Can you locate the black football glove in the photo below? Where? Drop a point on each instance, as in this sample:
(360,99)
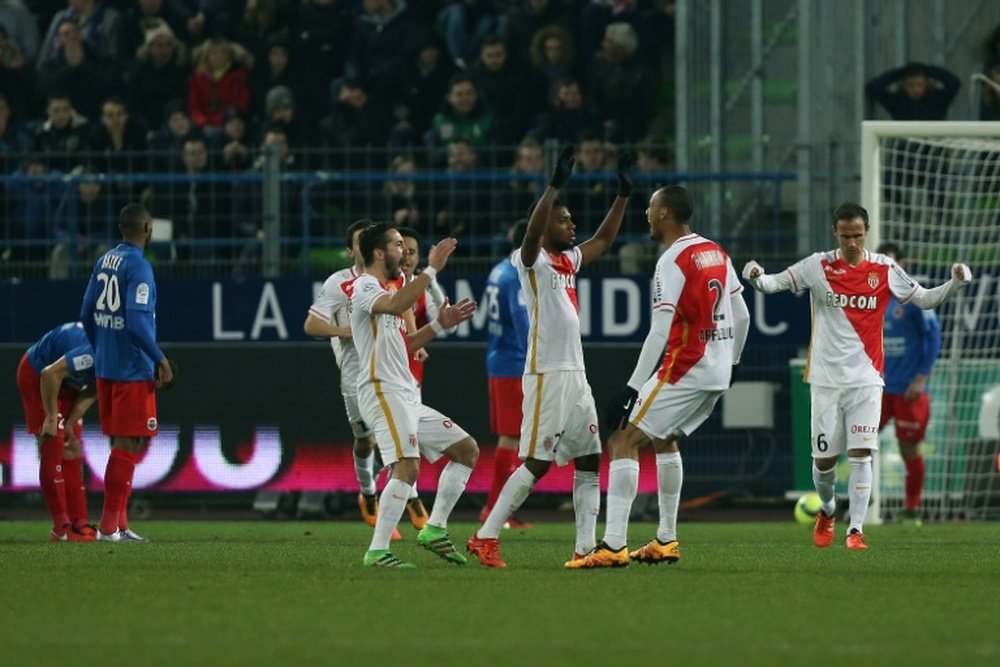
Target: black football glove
(563,168)
(624,174)
(618,410)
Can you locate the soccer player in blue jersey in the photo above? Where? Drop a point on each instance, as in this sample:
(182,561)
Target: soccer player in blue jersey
(56,381)
(912,342)
(507,345)
(119,316)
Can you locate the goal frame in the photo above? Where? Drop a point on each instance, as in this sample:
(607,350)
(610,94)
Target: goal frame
(871,198)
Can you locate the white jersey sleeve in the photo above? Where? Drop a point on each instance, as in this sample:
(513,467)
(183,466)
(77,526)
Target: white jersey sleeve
(380,339)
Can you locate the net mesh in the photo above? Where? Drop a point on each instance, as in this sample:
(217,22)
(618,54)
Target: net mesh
(939,200)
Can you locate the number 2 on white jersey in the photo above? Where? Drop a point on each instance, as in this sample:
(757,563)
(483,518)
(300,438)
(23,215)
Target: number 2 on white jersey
(715,286)
(109,292)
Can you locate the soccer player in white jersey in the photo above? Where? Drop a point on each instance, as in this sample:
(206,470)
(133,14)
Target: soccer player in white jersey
(849,289)
(559,419)
(389,398)
(697,331)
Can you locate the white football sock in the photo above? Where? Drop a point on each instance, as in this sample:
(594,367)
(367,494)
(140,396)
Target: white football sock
(586,507)
(390,509)
(669,479)
(859,490)
(623,485)
(364,468)
(451,484)
(514,492)
(825,482)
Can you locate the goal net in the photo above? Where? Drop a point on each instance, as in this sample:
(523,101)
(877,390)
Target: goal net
(933,188)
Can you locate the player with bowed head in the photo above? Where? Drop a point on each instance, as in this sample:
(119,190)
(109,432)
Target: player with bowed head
(559,420)
(119,316)
(697,330)
(56,381)
(849,289)
(389,397)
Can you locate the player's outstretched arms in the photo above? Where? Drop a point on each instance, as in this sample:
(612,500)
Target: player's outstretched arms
(403,300)
(961,276)
(532,243)
(605,235)
(754,274)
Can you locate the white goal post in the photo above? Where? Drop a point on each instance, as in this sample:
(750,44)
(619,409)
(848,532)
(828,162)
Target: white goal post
(933,188)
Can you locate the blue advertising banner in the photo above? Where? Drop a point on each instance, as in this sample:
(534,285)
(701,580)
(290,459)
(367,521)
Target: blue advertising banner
(613,309)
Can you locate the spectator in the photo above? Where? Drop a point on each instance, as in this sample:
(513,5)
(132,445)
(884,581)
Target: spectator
(502,83)
(14,141)
(418,88)
(322,35)
(219,82)
(158,76)
(595,18)
(118,145)
(35,206)
(464,115)
(260,19)
(589,198)
(275,69)
(143,16)
(356,121)
(16,79)
(280,108)
(526,18)
(232,145)
(62,138)
(383,36)
(400,194)
(915,91)
(989,99)
(618,86)
(465,202)
(168,140)
(465,23)
(77,69)
(637,255)
(18,22)
(553,55)
(514,200)
(87,230)
(569,115)
(98,23)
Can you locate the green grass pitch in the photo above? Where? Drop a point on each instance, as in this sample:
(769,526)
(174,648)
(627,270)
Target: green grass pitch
(260,593)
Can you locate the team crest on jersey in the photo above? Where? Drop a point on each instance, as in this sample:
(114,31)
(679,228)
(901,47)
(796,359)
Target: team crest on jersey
(873,279)
(83,362)
(142,293)
(151,424)
(548,443)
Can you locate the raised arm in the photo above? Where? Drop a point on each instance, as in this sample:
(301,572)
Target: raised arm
(961,276)
(605,235)
(532,243)
(403,300)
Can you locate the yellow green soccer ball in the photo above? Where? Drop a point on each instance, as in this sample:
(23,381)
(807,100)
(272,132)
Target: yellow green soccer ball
(807,507)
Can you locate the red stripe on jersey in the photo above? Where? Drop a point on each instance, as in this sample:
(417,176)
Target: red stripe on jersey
(347,287)
(420,310)
(703,288)
(562,264)
(863,294)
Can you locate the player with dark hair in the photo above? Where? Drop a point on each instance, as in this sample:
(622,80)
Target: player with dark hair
(698,327)
(912,342)
(390,400)
(56,381)
(119,316)
(559,417)
(506,347)
(849,289)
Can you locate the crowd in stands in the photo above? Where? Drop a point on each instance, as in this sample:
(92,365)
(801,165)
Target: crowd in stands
(202,86)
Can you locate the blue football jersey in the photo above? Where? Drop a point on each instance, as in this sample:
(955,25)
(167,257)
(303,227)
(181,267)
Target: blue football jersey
(66,340)
(118,313)
(507,318)
(912,341)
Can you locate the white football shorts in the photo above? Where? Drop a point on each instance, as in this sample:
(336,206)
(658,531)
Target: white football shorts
(406,428)
(559,421)
(844,418)
(662,410)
